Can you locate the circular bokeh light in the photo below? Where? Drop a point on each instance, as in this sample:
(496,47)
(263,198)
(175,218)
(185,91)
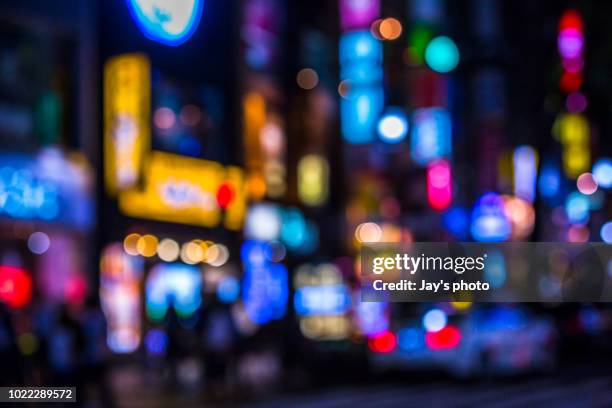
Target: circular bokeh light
(442,55)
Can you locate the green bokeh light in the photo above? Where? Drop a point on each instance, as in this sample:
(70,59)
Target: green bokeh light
(418,39)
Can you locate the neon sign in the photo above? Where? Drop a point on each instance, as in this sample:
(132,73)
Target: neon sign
(525,161)
(22,195)
(361,66)
(431,135)
(173,285)
(573,131)
(120,277)
(127,133)
(265,284)
(322,300)
(48,187)
(184,190)
(170,22)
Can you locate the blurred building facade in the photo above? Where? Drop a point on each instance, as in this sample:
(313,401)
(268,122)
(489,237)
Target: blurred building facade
(212,169)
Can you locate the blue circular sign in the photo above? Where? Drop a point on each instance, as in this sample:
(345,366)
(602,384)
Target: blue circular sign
(169,22)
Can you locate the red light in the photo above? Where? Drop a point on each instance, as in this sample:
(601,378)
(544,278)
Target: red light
(445,339)
(75,290)
(15,286)
(384,342)
(570,82)
(570,19)
(225,195)
(439,185)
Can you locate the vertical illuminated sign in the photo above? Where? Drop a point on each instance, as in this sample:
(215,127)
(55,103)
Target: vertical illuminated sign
(265,284)
(360,114)
(273,145)
(549,183)
(525,161)
(361,68)
(573,131)
(127,111)
(570,44)
(264,130)
(361,71)
(431,135)
(572,128)
(254,112)
(439,185)
(120,280)
(318,116)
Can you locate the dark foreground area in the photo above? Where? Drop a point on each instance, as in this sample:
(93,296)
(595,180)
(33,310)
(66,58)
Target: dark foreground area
(570,386)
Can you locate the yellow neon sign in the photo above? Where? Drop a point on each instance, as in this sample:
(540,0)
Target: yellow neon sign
(254,111)
(184,190)
(127,132)
(157,185)
(573,131)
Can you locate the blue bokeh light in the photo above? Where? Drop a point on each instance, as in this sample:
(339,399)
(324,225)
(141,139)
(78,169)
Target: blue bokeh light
(602,171)
(549,182)
(228,290)
(434,320)
(606,232)
(372,317)
(156,341)
(489,222)
(442,55)
(297,233)
(323,300)
(411,339)
(360,112)
(26,196)
(431,135)
(457,222)
(359,48)
(577,207)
